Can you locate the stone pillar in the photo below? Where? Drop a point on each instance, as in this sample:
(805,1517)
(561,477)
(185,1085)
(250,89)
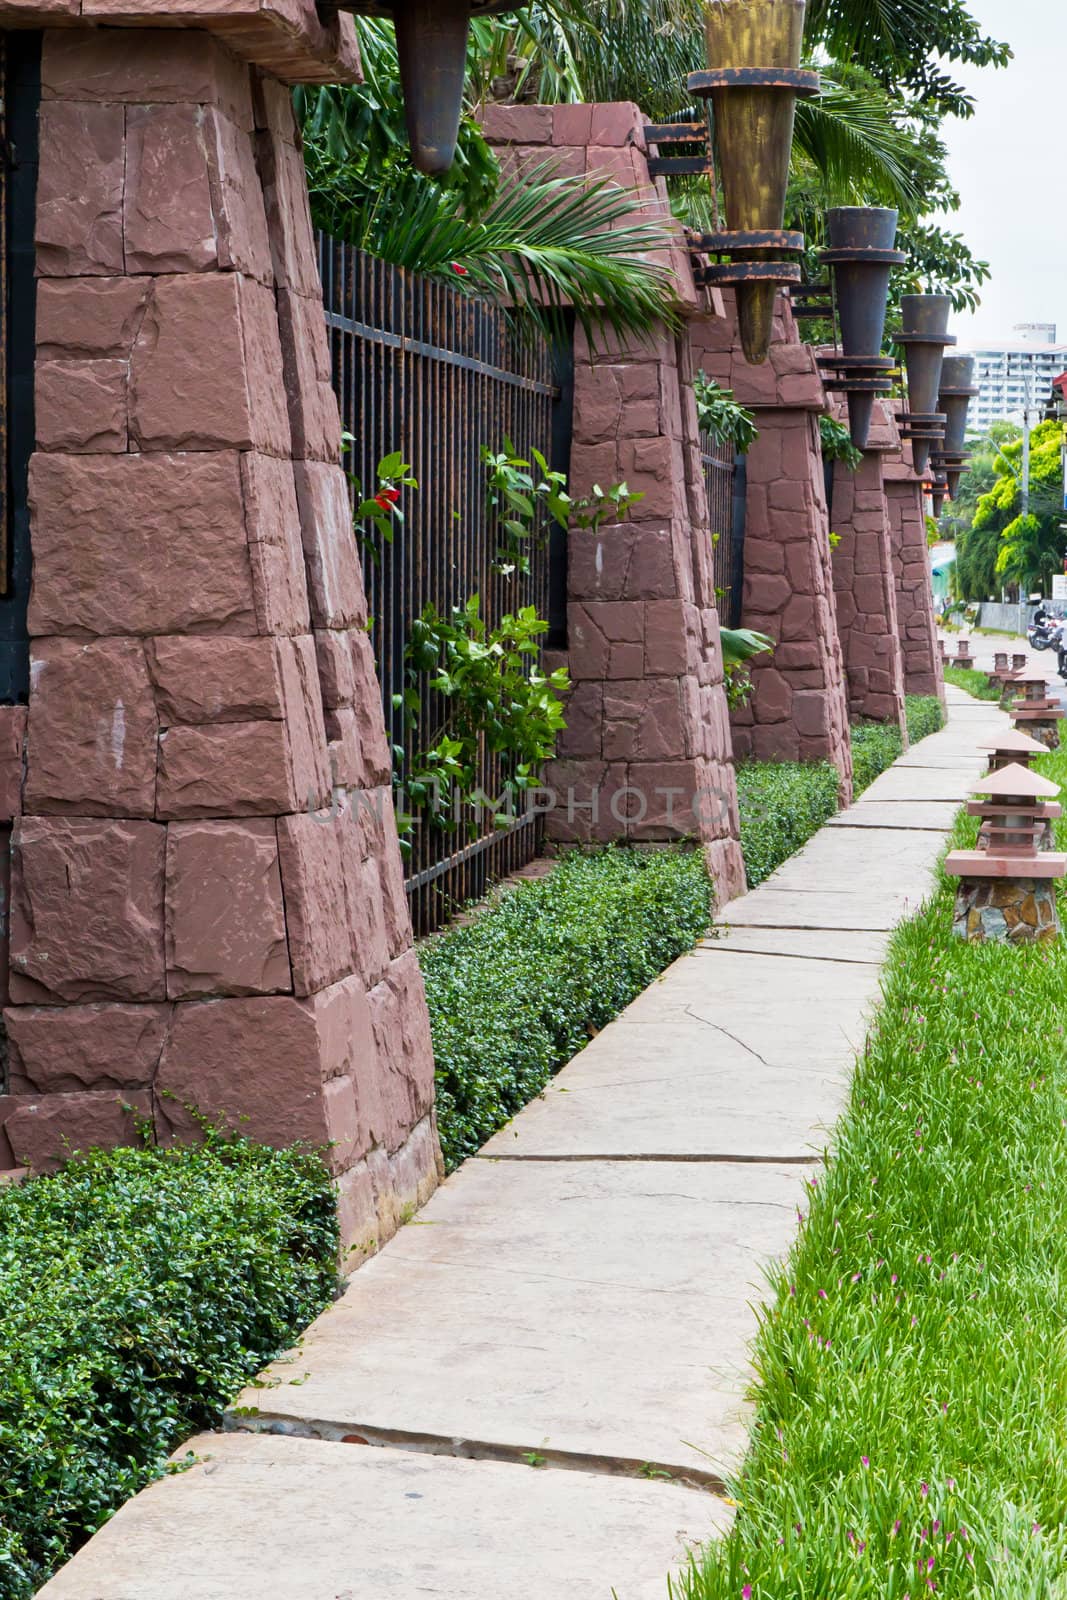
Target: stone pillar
(798,710)
(923,672)
(864,582)
(208,906)
(646,755)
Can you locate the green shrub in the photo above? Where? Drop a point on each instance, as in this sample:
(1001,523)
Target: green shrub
(875,746)
(782,803)
(925,715)
(517,992)
(139,1289)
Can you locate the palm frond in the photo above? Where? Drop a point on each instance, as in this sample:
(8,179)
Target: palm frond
(547,242)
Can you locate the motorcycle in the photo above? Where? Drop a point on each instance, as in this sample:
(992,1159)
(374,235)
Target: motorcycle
(1042,635)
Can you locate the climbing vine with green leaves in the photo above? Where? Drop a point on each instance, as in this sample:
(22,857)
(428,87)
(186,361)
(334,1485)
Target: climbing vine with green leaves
(497,702)
(837,443)
(721,416)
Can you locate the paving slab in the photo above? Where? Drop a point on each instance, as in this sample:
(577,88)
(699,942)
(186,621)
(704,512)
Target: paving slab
(683,1092)
(596,1309)
(922,783)
(789,1013)
(824,944)
(933,816)
(262,1518)
(885,861)
(782,908)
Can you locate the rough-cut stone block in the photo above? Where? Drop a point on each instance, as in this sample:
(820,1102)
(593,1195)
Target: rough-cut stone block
(334,577)
(79,190)
(320,939)
(148,67)
(260,1064)
(80,406)
(306,735)
(517,124)
(92,729)
(44,1132)
(370,719)
(225,769)
(643,721)
(139,544)
(292,241)
(342,1124)
(379,819)
(56,1049)
(225,922)
(88,318)
(204,372)
(313,413)
(279,579)
(364,900)
(401,1092)
(333,657)
(86,911)
(169,222)
(12,747)
(237,200)
(220,679)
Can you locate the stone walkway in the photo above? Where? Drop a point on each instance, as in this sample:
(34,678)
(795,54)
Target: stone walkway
(551,1358)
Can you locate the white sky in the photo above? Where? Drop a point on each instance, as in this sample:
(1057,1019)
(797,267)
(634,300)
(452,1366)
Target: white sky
(1008,163)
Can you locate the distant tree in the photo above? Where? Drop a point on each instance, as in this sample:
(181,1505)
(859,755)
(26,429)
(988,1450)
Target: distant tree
(1001,546)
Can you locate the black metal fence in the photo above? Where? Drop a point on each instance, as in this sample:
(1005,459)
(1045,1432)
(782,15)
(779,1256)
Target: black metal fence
(725,483)
(426,370)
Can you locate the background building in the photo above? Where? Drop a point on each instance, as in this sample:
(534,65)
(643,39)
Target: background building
(1013,375)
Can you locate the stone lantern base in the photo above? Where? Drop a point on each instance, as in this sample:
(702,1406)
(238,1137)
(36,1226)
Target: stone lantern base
(1048,731)
(1006,911)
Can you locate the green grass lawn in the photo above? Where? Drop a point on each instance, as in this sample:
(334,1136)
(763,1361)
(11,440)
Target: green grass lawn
(975,682)
(911,1431)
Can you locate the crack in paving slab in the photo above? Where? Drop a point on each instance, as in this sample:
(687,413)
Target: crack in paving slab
(813,1157)
(437,1444)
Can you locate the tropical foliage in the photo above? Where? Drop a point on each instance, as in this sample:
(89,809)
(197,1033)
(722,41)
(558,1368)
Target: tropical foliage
(721,417)
(870,138)
(996,546)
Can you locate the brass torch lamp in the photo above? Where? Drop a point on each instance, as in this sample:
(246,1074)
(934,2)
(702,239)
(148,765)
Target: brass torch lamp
(753,80)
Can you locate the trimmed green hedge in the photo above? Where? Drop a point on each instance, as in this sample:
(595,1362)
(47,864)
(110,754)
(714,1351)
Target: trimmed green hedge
(516,993)
(876,745)
(925,714)
(139,1289)
(782,803)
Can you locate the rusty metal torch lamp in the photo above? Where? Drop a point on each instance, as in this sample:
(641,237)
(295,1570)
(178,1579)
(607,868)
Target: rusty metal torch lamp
(860,256)
(753,99)
(954,401)
(1006,891)
(924,337)
(431,41)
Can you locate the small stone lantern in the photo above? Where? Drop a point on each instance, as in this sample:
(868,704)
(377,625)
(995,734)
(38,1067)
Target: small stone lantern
(1036,713)
(1018,663)
(1007,891)
(1005,750)
(963,654)
(1013,746)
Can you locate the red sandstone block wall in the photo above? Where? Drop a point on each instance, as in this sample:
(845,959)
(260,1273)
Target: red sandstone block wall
(864,581)
(647,754)
(923,672)
(798,710)
(207,894)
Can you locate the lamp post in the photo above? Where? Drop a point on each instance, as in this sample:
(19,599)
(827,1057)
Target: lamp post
(860,256)
(924,337)
(753,80)
(431,42)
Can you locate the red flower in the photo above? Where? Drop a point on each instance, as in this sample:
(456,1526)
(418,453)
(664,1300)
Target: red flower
(387,499)
(460,270)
